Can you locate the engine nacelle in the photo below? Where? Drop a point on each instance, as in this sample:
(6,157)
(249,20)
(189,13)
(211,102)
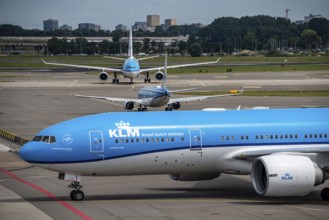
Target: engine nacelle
(194,176)
(129,105)
(159,75)
(176,105)
(103,76)
(285,175)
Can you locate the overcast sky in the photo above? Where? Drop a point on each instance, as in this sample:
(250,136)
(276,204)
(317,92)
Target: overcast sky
(108,13)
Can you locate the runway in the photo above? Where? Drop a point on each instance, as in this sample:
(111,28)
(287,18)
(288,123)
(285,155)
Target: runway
(33,100)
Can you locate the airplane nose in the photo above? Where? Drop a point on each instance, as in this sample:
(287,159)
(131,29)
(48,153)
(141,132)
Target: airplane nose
(28,152)
(24,152)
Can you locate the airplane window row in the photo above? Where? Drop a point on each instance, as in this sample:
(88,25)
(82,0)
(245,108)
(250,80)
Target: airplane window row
(47,139)
(146,140)
(281,136)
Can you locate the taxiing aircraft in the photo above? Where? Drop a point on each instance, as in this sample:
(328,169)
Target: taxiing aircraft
(131,68)
(156,96)
(286,151)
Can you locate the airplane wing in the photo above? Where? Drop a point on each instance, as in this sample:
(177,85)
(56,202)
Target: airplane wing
(251,154)
(178,66)
(200,98)
(112,99)
(85,67)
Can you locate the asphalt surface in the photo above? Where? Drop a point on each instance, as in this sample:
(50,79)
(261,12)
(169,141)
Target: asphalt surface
(31,101)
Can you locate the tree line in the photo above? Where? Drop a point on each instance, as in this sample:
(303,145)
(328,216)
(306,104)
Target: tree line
(223,35)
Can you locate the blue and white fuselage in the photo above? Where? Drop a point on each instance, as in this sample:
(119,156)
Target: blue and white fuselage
(131,68)
(192,145)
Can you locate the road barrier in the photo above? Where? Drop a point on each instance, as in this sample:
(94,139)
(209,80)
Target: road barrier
(12,137)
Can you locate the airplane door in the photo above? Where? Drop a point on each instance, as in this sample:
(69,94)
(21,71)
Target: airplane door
(195,139)
(96,141)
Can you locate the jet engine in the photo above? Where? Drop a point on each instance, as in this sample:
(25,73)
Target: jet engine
(194,176)
(159,75)
(285,175)
(176,105)
(103,76)
(129,105)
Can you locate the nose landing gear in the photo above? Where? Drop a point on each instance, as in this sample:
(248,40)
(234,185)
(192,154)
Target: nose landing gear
(76,194)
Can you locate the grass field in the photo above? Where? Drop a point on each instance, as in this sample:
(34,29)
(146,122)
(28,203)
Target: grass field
(290,93)
(34,61)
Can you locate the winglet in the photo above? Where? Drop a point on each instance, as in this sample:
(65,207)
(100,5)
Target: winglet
(218,60)
(44,61)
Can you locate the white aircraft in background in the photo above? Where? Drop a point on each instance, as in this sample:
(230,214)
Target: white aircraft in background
(131,68)
(157,96)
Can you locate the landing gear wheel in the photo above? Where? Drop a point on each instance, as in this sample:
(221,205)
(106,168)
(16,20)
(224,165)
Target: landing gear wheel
(147,78)
(77,195)
(325,194)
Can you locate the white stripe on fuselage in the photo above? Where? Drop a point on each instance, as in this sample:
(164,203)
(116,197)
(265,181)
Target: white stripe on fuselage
(207,160)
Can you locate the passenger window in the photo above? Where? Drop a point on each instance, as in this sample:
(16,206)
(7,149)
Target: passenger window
(116,141)
(182,138)
(325,135)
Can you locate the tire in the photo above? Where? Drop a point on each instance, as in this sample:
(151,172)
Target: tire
(77,195)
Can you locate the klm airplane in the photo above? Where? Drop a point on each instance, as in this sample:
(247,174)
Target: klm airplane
(286,151)
(157,96)
(131,68)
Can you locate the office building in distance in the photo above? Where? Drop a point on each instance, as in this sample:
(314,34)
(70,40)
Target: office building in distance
(50,25)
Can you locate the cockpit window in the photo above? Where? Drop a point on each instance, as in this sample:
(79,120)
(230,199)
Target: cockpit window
(46,139)
(37,138)
(52,139)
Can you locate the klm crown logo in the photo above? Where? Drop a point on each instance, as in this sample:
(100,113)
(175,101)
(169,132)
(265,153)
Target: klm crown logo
(123,130)
(287,176)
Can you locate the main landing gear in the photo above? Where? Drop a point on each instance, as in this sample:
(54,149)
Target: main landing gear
(142,108)
(147,78)
(115,79)
(76,194)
